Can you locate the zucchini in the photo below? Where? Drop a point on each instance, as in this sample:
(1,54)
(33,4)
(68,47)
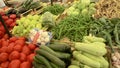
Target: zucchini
(51,57)
(101,60)
(86,60)
(91,49)
(57,54)
(60,47)
(73,66)
(44,61)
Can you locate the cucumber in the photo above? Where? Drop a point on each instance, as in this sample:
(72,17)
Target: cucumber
(51,57)
(57,54)
(37,65)
(60,47)
(44,61)
(36,60)
(54,65)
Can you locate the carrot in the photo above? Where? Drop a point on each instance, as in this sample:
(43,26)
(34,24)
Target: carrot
(30,57)
(18,48)
(32,46)
(14,64)
(26,50)
(10,47)
(3,57)
(23,57)
(5,64)
(14,55)
(26,65)
(20,42)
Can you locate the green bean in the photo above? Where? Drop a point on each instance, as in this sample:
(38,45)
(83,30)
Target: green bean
(116,34)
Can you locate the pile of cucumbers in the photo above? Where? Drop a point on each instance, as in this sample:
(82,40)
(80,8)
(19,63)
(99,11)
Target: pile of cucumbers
(55,55)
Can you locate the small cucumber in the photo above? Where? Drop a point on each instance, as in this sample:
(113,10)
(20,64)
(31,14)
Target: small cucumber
(60,47)
(37,65)
(44,61)
(57,54)
(51,57)
(54,65)
(36,60)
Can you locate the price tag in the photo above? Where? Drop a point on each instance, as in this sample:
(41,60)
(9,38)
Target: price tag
(2,4)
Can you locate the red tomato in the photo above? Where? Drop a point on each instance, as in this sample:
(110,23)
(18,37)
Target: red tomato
(9,22)
(30,57)
(12,16)
(14,55)
(2,29)
(5,43)
(26,50)
(18,48)
(12,25)
(3,49)
(1,34)
(23,57)
(6,36)
(14,64)
(32,46)
(10,47)
(26,65)
(20,42)
(3,57)
(22,38)
(5,64)
(2,13)
(5,17)
(13,39)
(0,43)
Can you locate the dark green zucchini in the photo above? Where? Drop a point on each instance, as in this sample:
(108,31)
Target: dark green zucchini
(37,65)
(60,47)
(51,57)
(43,60)
(57,54)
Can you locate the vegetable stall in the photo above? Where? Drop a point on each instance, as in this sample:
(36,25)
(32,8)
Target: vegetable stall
(69,34)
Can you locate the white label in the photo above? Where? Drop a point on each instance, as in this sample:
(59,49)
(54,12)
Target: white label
(2,4)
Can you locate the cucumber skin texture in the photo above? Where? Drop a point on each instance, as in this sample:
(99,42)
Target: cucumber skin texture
(36,60)
(60,47)
(51,57)
(37,65)
(101,60)
(73,66)
(44,61)
(53,65)
(85,60)
(59,55)
(91,49)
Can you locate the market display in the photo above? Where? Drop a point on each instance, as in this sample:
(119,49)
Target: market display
(75,34)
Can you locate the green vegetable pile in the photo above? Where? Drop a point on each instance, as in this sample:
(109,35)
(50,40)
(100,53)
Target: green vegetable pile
(76,24)
(108,29)
(55,9)
(55,55)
